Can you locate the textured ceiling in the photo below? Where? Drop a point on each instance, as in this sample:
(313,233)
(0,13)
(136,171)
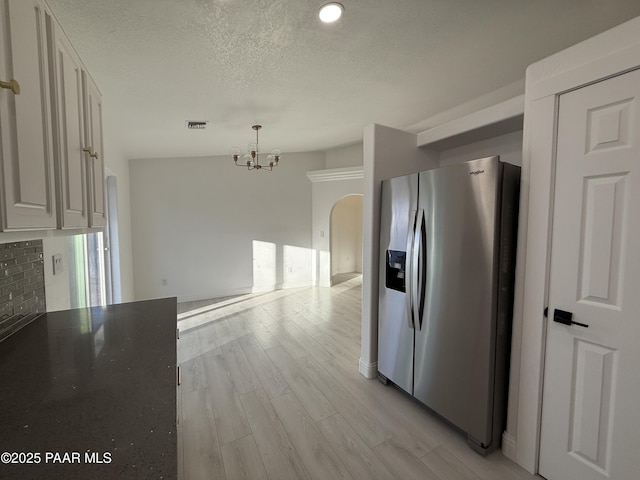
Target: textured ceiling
(159,63)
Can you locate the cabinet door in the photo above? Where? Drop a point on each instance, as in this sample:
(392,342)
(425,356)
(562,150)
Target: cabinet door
(26,164)
(93,135)
(68,122)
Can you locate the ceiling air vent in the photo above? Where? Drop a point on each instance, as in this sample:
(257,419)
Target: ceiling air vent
(196,125)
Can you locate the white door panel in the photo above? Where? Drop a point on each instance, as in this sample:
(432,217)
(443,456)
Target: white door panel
(71,160)
(590,425)
(26,163)
(93,132)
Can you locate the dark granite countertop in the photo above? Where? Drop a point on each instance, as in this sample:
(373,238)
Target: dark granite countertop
(91,394)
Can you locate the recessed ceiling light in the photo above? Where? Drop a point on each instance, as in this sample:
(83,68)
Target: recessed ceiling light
(331,12)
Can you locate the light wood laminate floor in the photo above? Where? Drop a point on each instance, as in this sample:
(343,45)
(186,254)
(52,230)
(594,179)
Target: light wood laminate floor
(271,390)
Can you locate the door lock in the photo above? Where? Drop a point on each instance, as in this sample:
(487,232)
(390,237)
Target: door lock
(565,318)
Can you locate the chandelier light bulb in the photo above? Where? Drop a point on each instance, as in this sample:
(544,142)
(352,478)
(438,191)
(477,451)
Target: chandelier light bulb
(251,159)
(330,12)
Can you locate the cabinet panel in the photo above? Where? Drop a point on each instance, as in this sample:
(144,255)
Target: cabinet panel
(28,200)
(93,141)
(68,139)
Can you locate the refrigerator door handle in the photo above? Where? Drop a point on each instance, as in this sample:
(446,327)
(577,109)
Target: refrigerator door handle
(422,269)
(409,269)
(416,271)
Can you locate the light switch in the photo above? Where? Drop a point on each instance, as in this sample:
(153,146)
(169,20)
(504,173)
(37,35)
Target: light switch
(57,263)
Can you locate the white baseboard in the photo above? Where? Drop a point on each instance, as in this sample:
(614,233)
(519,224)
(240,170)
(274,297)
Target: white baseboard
(368,370)
(232,292)
(509,446)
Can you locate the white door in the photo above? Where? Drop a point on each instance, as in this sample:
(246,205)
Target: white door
(68,107)
(26,151)
(93,132)
(591,399)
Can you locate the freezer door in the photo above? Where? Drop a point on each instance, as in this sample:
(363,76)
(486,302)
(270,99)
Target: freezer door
(395,335)
(454,350)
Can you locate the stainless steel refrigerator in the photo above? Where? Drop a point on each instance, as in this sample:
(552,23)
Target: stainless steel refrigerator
(447,261)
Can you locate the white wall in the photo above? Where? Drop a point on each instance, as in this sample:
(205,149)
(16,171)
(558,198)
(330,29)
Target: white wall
(346,235)
(57,287)
(347,156)
(195,221)
(508,146)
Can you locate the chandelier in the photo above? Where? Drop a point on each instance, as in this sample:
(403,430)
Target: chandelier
(252,158)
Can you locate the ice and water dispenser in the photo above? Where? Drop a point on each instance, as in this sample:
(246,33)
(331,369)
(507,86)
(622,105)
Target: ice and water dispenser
(395,271)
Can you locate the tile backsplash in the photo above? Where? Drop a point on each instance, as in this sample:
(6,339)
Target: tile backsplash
(22,297)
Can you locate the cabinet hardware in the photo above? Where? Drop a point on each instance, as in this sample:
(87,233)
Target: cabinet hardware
(12,85)
(91,154)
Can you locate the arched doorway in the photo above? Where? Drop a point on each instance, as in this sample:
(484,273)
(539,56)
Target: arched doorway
(346,238)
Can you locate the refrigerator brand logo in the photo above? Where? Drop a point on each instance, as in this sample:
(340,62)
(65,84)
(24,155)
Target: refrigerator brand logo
(476,172)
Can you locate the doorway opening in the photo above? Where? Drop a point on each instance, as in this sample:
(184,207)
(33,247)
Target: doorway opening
(88,285)
(346,239)
(94,260)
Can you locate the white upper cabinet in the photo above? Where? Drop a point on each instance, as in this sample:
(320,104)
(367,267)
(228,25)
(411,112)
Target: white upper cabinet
(51,154)
(77,132)
(93,142)
(27,198)
(69,136)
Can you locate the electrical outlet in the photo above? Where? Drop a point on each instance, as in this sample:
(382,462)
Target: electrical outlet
(57,263)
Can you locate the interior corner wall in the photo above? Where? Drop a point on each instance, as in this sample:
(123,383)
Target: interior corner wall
(201,225)
(387,153)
